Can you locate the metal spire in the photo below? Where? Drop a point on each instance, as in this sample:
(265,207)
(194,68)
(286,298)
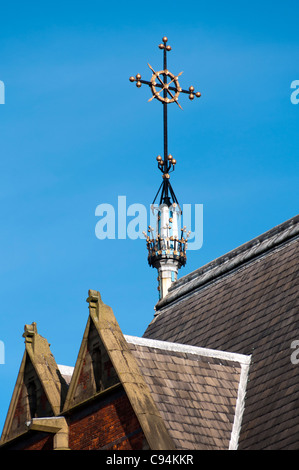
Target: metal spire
(167,164)
(166,250)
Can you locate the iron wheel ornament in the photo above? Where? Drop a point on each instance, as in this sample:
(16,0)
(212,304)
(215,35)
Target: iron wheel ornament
(165,86)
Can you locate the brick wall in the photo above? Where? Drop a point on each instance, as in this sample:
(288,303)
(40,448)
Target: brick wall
(46,443)
(105,423)
(109,424)
(31,441)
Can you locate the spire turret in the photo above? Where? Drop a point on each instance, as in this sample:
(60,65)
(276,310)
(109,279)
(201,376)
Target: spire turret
(167,248)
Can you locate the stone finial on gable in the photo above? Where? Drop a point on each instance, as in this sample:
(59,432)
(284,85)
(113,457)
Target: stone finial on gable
(30,331)
(94,298)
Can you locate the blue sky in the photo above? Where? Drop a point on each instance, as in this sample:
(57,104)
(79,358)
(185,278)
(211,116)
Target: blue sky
(75,133)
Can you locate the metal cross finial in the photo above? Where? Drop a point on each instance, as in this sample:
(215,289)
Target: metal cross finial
(167,97)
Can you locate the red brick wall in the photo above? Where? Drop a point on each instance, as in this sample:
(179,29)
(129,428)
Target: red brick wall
(43,444)
(105,423)
(32,441)
(111,425)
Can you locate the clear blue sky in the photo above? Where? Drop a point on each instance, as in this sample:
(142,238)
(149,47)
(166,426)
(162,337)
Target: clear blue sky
(75,133)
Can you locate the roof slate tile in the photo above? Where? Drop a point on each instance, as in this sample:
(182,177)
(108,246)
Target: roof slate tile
(195,393)
(246,302)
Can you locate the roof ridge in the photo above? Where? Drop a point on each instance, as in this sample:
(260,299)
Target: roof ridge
(248,251)
(185,348)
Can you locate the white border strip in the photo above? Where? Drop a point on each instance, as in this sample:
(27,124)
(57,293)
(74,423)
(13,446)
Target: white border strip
(239,410)
(184,348)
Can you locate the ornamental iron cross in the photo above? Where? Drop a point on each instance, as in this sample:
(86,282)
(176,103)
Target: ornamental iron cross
(167,97)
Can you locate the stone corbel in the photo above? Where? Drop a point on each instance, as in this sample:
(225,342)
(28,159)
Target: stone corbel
(57,426)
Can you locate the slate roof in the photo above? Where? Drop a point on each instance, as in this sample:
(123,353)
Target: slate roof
(198,392)
(66,372)
(247,302)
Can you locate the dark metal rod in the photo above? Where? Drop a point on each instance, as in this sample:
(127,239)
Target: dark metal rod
(164,193)
(158,85)
(172,194)
(165,112)
(165,137)
(157,192)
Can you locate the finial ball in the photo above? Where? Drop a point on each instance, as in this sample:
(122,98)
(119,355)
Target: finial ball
(191,88)
(164,39)
(159,158)
(198,94)
(168,48)
(138,76)
(173,161)
(138,84)
(132,79)
(191,96)
(161,46)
